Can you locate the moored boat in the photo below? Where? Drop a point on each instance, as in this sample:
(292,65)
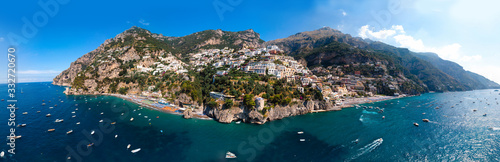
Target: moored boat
(230,155)
(51,130)
(136,150)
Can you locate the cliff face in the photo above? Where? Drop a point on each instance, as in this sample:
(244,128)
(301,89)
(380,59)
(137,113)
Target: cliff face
(117,56)
(276,113)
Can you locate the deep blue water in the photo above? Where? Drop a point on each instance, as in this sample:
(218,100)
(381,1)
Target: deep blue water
(455,133)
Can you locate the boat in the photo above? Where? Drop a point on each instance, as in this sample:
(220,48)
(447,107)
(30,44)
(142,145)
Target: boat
(128,146)
(59,120)
(76,109)
(300,132)
(48,115)
(116,136)
(14,137)
(415,124)
(73,112)
(139,114)
(113,123)
(21,125)
(102,113)
(100,121)
(55,105)
(70,131)
(380,140)
(90,144)
(230,155)
(238,122)
(77,123)
(425,120)
(136,150)
(2,154)
(51,130)
(383,117)
(43,104)
(37,111)
(474,110)
(484,114)
(25,113)
(92,133)
(73,116)
(122,114)
(131,119)
(302,140)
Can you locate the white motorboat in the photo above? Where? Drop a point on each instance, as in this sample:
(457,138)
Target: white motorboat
(131,119)
(70,131)
(128,146)
(136,150)
(230,155)
(300,132)
(92,133)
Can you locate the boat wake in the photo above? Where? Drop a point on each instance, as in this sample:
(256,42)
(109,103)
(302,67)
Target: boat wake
(368,148)
(369,112)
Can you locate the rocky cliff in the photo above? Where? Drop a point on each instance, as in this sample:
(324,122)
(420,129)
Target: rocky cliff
(276,113)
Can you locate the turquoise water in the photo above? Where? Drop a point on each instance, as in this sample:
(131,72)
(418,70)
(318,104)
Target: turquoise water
(455,132)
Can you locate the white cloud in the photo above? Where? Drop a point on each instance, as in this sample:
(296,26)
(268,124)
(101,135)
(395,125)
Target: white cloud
(143,22)
(398,35)
(34,72)
(366,32)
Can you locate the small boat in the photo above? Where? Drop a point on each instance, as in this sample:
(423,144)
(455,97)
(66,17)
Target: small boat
(48,115)
(100,121)
(425,120)
(122,114)
(90,144)
(77,123)
(25,113)
(92,133)
(145,116)
(230,155)
(37,111)
(474,110)
(14,137)
(73,112)
(73,116)
(51,130)
(300,132)
(116,136)
(59,120)
(113,123)
(55,105)
(131,119)
(423,113)
(157,117)
(383,117)
(484,114)
(43,104)
(21,125)
(139,114)
(70,131)
(76,109)
(89,108)
(2,154)
(238,122)
(136,150)
(415,124)
(102,113)
(128,146)
(380,140)
(302,140)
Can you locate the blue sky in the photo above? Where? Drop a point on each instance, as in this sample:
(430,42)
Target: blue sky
(458,30)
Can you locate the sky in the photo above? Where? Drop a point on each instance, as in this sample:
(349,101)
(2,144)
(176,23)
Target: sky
(50,34)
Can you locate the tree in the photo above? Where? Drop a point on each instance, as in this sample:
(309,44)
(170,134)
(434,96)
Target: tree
(248,101)
(228,103)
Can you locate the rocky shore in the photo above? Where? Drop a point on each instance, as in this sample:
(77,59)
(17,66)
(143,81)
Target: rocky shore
(228,115)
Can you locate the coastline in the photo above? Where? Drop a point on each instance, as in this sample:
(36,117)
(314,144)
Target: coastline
(171,109)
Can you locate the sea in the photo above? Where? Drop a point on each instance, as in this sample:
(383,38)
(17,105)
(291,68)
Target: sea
(464,126)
